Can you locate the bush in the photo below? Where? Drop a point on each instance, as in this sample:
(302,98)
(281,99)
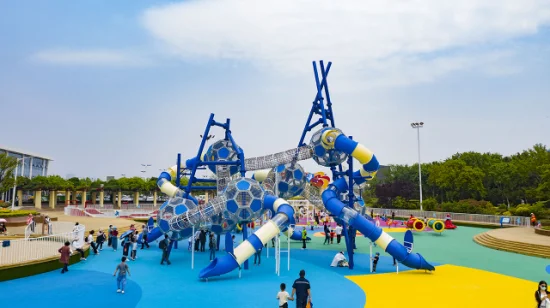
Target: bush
(469,206)
(4,204)
(429,204)
(525,210)
(8,213)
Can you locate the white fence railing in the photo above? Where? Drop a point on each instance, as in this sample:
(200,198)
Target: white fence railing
(479,218)
(131,206)
(92,212)
(31,249)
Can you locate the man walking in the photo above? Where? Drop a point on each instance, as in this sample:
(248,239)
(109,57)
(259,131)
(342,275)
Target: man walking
(202,237)
(338,233)
(302,289)
(164,245)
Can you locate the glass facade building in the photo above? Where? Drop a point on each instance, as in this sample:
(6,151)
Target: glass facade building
(31,165)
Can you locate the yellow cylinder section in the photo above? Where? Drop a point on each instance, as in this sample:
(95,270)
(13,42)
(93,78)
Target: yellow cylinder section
(436,225)
(419,225)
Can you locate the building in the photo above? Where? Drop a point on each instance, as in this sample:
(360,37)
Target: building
(31,165)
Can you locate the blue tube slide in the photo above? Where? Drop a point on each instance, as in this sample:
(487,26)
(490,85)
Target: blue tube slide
(231,261)
(152,236)
(371,231)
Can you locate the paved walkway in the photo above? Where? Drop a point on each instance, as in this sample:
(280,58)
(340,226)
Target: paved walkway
(91,223)
(522,235)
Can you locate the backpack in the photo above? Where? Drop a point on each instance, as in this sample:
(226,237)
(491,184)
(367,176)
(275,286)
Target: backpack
(162,244)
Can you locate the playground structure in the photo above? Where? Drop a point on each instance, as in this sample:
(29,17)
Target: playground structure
(277,177)
(435,225)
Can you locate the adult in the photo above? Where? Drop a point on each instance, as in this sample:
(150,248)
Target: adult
(65,252)
(258,256)
(541,295)
(48,223)
(114,238)
(371,213)
(302,289)
(145,232)
(304,238)
(109,238)
(338,233)
(197,239)
(327,234)
(100,239)
(352,233)
(165,246)
(202,238)
(392,215)
(30,222)
(212,245)
(339,260)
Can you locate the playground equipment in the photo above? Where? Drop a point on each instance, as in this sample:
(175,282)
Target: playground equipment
(419,225)
(241,200)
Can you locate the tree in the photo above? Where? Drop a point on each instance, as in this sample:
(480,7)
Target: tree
(7,167)
(504,177)
(458,180)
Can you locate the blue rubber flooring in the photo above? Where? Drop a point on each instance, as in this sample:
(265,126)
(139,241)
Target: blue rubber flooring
(91,283)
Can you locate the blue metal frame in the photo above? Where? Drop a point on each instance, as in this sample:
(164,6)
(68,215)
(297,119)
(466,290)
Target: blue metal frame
(326,119)
(200,165)
(318,106)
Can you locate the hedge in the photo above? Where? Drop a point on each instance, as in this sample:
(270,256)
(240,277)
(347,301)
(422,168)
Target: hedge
(9,213)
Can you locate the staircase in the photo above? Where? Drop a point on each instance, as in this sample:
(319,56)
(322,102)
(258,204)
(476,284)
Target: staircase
(534,250)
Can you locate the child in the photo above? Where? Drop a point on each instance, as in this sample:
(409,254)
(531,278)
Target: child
(375,261)
(332,234)
(66,253)
(122,269)
(283,297)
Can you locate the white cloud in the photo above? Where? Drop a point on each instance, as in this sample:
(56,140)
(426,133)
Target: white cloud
(90,57)
(391,38)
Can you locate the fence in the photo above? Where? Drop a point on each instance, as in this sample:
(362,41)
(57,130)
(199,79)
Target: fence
(132,206)
(479,218)
(112,213)
(32,249)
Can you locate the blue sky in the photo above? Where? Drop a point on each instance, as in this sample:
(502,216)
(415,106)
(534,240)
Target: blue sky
(103,86)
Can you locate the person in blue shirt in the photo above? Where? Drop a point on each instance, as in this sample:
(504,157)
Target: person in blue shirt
(302,289)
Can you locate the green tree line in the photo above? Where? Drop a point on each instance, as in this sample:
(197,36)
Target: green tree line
(470,182)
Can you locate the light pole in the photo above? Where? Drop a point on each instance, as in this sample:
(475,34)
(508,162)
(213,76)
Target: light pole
(15,185)
(418,126)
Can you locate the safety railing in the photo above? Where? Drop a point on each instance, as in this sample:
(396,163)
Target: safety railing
(93,212)
(32,249)
(464,217)
(130,206)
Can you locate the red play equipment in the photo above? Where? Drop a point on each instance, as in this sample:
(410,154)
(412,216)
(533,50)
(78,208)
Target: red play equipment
(449,224)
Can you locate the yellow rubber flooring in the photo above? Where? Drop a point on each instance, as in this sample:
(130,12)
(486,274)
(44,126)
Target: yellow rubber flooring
(449,286)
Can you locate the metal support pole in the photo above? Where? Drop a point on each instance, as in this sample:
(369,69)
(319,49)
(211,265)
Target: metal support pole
(15,185)
(419,166)
(245,235)
(288,246)
(193,250)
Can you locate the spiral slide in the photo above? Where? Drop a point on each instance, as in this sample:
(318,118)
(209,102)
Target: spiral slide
(335,206)
(229,262)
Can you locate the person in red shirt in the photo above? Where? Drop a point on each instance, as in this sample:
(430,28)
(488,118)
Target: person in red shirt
(332,234)
(65,252)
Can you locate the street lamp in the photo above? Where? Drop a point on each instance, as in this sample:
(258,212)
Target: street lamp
(15,185)
(418,126)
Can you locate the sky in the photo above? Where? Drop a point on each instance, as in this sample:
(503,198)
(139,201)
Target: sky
(104,86)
